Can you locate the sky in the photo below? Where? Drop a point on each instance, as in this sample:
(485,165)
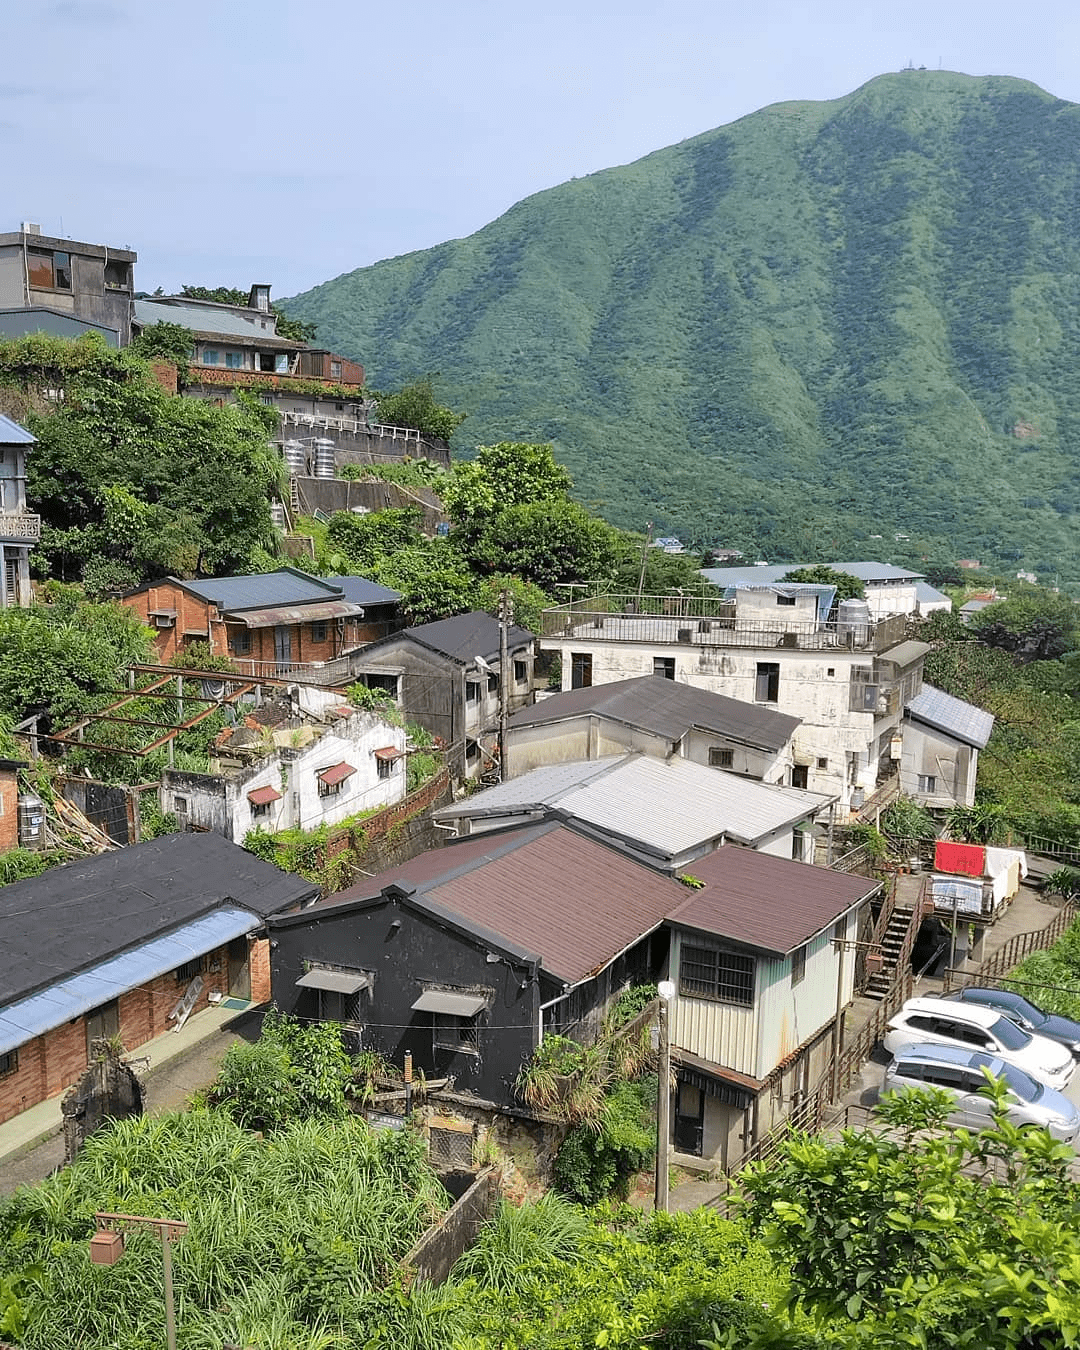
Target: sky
(288,143)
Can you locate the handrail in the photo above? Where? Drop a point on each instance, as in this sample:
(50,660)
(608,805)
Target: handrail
(1017,947)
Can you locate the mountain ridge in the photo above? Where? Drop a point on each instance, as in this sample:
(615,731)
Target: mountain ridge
(821,322)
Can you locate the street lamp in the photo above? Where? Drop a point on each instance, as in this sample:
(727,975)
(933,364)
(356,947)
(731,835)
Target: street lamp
(666,991)
(107,1247)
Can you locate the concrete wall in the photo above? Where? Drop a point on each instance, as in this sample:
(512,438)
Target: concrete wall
(891,597)
(343,494)
(933,754)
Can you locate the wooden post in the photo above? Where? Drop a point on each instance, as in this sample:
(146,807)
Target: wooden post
(505,613)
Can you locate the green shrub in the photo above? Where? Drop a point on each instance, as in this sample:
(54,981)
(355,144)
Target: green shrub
(595,1163)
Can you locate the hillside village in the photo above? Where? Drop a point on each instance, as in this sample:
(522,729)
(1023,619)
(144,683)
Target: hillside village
(419,760)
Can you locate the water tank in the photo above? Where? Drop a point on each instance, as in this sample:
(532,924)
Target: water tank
(295,458)
(853,622)
(31,821)
(324,457)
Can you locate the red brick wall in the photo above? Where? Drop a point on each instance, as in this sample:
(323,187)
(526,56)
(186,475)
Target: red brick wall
(49,1064)
(192,615)
(9,809)
(259,953)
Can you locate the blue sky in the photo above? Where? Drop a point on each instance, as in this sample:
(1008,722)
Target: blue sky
(285,142)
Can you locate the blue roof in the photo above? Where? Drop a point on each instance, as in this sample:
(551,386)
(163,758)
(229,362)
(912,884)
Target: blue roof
(952,715)
(263,590)
(360,591)
(13,434)
(59,1003)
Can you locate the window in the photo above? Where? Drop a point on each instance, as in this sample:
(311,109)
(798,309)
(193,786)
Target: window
(328,789)
(388,683)
(581,670)
(459,1034)
(335,370)
(9,1062)
(260,810)
(822,763)
(117,276)
(240,643)
(384,768)
(493,684)
(180,805)
(234,360)
(665,666)
(798,966)
(319,631)
(267,399)
(785,599)
(708,972)
(927,782)
(720,758)
(800,776)
(187,972)
(210,357)
(472,752)
(830,671)
(521,672)
(450,1149)
(49,271)
(472,691)
(767,688)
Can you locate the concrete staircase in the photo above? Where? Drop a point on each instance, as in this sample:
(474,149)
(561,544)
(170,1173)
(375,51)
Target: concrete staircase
(892,942)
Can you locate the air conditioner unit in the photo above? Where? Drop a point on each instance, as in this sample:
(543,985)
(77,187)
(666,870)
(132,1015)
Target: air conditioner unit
(164,620)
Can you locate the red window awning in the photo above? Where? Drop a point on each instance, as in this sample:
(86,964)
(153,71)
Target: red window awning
(336,773)
(263,796)
(389,752)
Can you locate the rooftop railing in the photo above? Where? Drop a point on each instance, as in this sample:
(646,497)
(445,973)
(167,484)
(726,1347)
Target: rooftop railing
(705,621)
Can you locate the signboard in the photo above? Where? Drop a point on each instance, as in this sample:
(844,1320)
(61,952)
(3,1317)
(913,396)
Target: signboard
(382,1120)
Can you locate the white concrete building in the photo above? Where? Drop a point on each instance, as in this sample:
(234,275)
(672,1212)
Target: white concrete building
(846,680)
(19,529)
(942,739)
(888,589)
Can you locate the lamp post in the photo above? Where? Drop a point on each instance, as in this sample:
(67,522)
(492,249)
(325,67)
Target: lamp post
(666,991)
(107,1247)
(874,963)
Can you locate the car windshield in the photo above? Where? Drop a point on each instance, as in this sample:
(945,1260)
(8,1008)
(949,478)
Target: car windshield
(1009,1034)
(1021,1083)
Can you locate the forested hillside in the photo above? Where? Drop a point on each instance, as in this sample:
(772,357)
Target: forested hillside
(823,323)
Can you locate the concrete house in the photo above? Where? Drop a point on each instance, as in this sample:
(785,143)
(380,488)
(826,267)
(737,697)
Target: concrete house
(283,770)
(65,288)
(658,716)
(467,957)
(845,679)
(888,589)
(942,739)
(446,676)
(665,813)
(20,529)
(125,944)
(283,623)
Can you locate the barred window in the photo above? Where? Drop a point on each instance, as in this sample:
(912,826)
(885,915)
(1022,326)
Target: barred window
(708,972)
(720,758)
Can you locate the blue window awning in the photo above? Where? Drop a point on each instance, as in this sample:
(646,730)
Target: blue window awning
(78,994)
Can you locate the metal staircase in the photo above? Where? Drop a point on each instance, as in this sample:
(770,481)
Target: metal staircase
(893,943)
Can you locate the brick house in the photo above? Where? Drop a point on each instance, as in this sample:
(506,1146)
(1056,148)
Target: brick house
(117,944)
(272,623)
(9,803)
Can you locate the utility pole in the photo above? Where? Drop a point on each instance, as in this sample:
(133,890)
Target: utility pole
(666,992)
(506,615)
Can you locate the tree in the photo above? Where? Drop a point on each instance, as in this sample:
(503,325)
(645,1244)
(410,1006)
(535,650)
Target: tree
(547,543)
(433,581)
(367,540)
(847,586)
(415,406)
(164,342)
(1033,625)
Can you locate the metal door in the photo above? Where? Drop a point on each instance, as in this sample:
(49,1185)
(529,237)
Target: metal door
(689,1119)
(102,1024)
(283,645)
(239,968)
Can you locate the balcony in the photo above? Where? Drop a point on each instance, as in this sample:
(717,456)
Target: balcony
(22,527)
(705,621)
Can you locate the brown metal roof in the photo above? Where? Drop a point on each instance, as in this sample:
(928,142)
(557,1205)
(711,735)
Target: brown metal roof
(270,618)
(766,902)
(263,796)
(336,773)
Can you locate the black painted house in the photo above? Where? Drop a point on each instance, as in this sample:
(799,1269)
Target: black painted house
(461,955)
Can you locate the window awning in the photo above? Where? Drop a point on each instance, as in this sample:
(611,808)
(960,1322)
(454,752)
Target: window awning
(389,752)
(263,796)
(337,981)
(286,615)
(336,773)
(446,1001)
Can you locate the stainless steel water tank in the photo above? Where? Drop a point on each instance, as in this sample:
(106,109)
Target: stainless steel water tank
(295,458)
(31,810)
(324,457)
(853,622)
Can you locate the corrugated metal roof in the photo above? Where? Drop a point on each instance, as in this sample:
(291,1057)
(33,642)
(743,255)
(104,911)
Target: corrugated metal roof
(927,595)
(263,590)
(905,653)
(336,773)
(71,918)
(289,614)
(466,636)
(767,902)
(965,721)
(863,571)
(666,708)
(13,434)
(669,806)
(449,1002)
(71,997)
(212,321)
(360,591)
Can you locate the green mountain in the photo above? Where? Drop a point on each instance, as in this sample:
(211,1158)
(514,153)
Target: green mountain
(822,324)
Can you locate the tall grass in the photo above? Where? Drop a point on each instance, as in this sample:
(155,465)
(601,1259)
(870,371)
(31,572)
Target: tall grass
(520,1242)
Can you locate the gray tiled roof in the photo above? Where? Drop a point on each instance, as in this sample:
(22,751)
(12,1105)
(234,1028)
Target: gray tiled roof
(666,708)
(264,589)
(13,434)
(965,721)
(669,806)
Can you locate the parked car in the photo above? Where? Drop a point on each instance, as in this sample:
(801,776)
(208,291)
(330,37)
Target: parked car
(959,1072)
(942,1021)
(1026,1014)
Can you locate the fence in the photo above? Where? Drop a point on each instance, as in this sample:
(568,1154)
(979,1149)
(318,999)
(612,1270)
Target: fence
(1014,951)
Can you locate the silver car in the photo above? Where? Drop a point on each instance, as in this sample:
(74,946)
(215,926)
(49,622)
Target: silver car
(959,1072)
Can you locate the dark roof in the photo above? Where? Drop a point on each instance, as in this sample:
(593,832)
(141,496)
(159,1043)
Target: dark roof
(906,653)
(965,721)
(466,636)
(363,592)
(75,916)
(545,889)
(666,708)
(766,902)
(287,586)
(13,434)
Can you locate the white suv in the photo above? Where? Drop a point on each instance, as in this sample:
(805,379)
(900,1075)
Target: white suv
(939,1021)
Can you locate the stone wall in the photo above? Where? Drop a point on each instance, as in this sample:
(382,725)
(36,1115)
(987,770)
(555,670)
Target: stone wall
(434,1255)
